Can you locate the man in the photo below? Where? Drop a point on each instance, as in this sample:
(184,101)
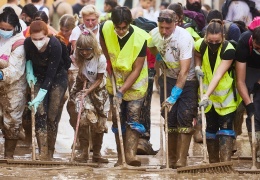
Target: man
(13,4)
(248,78)
(174,47)
(78,6)
(27,13)
(59,8)
(195,5)
(39,4)
(124,46)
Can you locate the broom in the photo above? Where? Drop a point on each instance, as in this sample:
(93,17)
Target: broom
(205,167)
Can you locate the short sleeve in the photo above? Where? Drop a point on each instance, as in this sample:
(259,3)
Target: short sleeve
(242,49)
(75,34)
(102,64)
(228,55)
(186,47)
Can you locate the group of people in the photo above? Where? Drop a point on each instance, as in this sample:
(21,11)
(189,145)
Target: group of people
(108,65)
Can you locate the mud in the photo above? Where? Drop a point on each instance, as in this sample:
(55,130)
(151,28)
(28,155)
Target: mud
(107,171)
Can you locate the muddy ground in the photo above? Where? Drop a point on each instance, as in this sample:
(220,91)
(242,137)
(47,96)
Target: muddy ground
(63,153)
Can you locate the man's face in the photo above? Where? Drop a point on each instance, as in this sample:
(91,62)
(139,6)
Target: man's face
(193,5)
(166,26)
(26,19)
(121,29)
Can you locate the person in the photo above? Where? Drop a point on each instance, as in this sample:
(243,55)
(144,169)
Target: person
(57,9)
(79,5)
(247,76)
(92,70)
(173,47)
(195,5)
(144,9)
(27,13)
(219,98)
(12,80)
(124,46)
(45,69)
(206,7)
(39,4)
(13,4)
(109,5)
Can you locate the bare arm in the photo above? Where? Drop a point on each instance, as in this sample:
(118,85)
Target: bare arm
(137,67)
(94,85)
(197,58)
(185,66)
(241,85)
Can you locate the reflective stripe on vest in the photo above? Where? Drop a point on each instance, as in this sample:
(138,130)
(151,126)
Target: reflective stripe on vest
(123,60)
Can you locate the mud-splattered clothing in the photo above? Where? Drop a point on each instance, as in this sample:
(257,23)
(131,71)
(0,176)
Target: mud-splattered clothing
(12,87)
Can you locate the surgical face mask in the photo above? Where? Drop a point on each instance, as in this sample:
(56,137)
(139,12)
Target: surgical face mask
(6,34)
(121,37)
(214,47)
(39,44)
(94,28)
(257,52)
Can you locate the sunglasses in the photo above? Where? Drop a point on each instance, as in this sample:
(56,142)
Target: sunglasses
(167,20)
(121,28)
(85,49)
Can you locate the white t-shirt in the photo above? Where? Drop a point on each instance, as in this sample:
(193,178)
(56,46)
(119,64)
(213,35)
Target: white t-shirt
(76,32)
(93,67)
(179,46)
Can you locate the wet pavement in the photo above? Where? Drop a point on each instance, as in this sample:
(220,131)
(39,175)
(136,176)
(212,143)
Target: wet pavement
(107,171)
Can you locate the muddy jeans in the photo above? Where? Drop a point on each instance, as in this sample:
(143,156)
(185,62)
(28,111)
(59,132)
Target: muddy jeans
(12,105)
(145,117)
(185,108)
(47,115)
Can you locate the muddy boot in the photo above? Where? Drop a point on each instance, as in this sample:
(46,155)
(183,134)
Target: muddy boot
(213,150)
(10,145)
(51,144)
(145,147)
(234,149)
(83,132)
(183,148)
(197,136)
(42,141)
(225,148)
(119,154)
(131,143)
(172,149)
(257,148)
(97,139)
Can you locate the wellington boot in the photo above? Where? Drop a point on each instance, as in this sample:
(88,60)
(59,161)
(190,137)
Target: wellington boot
(257,148)
(145,147)
(225,148)
(51,143)
(83,157)
(10,145)
(42,142)
(172,149)
(131,143)
(197,136)
(213,150)
(97,140)
(84,143)
(183,148)
(119,154)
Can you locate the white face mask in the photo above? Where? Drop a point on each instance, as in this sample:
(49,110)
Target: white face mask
(39,44)
(121,37)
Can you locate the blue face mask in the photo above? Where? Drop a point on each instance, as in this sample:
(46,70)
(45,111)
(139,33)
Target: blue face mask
(6,34)
(257,52)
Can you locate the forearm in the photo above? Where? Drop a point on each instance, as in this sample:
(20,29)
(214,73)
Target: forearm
(181,80)
(213,84)
(242,89)
(94,85)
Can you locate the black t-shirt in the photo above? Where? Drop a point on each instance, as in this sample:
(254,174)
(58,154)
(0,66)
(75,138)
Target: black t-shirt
(45,64)
(227,55)
(243,53)
(76,8)
(123,41)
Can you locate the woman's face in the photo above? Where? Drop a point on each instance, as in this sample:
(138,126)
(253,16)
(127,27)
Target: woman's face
(90,21)
(86,52)
(6,30)
(38,36)
(66,32)
(214,38)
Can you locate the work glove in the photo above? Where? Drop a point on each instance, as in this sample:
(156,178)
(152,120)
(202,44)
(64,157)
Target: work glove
(109,67)
(198,72)
(170,101)
(29,73)
(117,99)
(204,101)
(160,61)
(250,110)
(39,98)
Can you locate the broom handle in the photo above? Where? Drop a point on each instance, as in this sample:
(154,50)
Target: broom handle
(166,118)
(253,140)
(77,125)
(118,123)
(33,124)
(203,124)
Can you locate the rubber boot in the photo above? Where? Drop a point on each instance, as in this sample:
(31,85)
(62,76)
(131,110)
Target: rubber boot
(119,154)
(183,148)
(225,148)
(213,150)
(257,148)
(97,139)
(83,133)
(172,149)
(51,144)
(10,145)
(42,141)
(131,143)
(145,147)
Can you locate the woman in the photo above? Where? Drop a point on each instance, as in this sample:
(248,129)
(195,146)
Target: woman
(92,69)
(45,68)
(12,80)
(219,99)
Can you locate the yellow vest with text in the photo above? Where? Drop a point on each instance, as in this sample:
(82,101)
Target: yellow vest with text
(123,60)
(222,97)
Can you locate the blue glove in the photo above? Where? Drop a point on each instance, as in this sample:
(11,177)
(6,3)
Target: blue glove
(29,73)
(170,101)
(1,75)
(160,61)
(158,57)
(39,98)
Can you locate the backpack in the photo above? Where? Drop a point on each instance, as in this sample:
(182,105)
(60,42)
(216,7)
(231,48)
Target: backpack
(144,24)
(195,20)
(255,23)
(55,17)
(251,5)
